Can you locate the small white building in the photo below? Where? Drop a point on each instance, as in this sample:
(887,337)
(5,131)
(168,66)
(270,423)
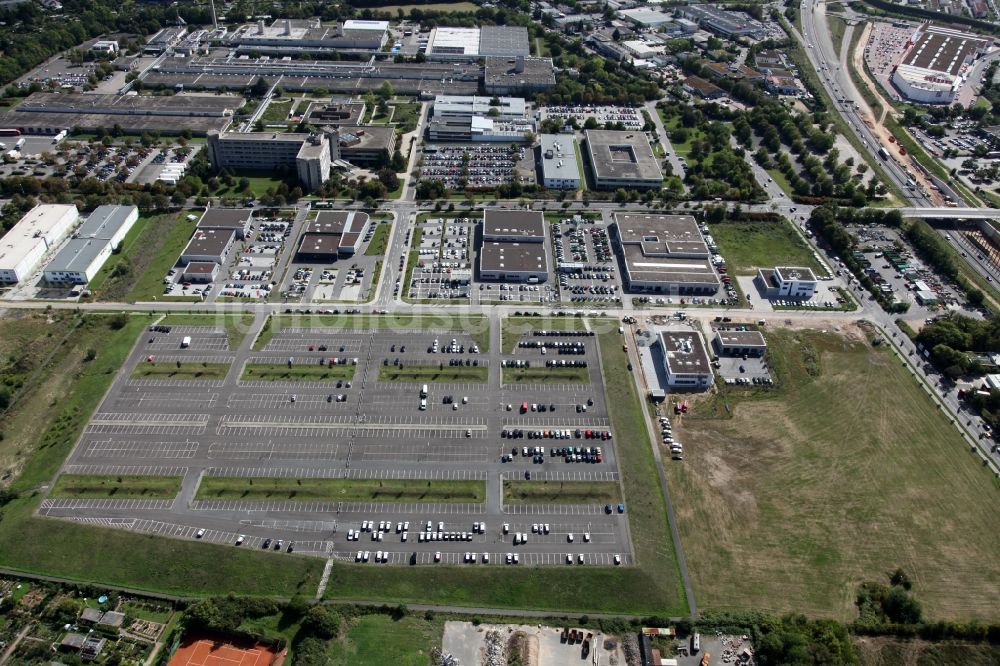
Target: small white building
(36,234)
(794,282)
(560,168)
(685,359)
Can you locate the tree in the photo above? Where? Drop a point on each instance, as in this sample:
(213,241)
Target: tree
(385,91)
(5,397)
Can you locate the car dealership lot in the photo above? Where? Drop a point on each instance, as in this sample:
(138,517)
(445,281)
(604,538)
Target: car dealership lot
(380,415)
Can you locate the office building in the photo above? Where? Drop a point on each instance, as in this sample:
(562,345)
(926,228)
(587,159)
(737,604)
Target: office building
(739,343)
(332,235)
(513,247)
(92,243)
(558,157)
(663,254)
(723,22)
(622,159)
(200,272)
(480,129)
(208,245)
(511,226)
(466,106)
(35,235)
(236,220)
(322,114)
(793,282)
(685,360)
(308,154)
(369,146)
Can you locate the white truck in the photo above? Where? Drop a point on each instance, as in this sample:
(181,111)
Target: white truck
(186,342)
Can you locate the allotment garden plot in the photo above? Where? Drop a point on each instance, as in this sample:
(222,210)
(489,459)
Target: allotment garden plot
(382,446)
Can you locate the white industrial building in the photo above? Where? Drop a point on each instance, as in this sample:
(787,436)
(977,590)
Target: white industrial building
(560,168)
(38,232)
(91,245)
(465,106)
(794,282)
(937,63)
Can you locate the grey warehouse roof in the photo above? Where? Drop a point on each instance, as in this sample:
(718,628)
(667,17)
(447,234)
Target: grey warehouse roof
(90,239)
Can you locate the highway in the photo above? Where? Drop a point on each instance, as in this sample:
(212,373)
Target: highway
(834,75)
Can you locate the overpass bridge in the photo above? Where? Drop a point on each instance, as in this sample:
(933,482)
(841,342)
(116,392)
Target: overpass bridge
(952,213)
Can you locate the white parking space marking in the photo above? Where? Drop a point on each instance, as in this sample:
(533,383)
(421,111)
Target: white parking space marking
(175,383)
(147,424)
(126,470)
(145,400)
(112,448)
(293,525)
(553,509)
(115,504)
(341,473)
(273,451)
(546,388)
(583,475)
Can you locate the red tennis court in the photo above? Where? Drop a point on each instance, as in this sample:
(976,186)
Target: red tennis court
(209,652)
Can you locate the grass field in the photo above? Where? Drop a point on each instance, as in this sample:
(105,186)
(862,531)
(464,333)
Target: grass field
(748,246)
(477,326)
(432,373)
(546,375)
(881,651)
(376,246)
(837,27)
(346,490)
(280,372)
(80,486)
(156,252)
(844,472)
(277,111)
(147,610)
(364,642)
(168,370)
(236,325)
(651,587)
(120,262)
(561,492)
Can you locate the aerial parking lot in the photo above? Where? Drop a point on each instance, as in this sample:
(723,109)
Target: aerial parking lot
(379,445)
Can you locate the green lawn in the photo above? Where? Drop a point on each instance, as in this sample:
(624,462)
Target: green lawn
(651,587)
(561,492)
(277,111)
(405,117)
(147,610)
(432,373)
(236,325)
(116,487)
(788,498)
(71,391)
(747,246)
(544,375)
(181,370)
(376,246)
(120,262)
(343,490)
(280,372)
(837,27)
(160,250)
(476,326)
(412,638)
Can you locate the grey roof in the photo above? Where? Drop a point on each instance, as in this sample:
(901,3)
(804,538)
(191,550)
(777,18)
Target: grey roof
(503,40)
(90,239)
(513,257)
(225,218)
(526,224)
(665,249)
(562,163)
(685,352)
(534,73)
(208,242)
(622,155)
(741,338)
(200,268)
(795,274)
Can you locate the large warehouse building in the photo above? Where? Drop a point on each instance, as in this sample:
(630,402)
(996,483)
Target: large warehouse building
(333,234)
(622,159)
(513,247)
(663,254)
(490,40)
(37,233)
(936,64)
(91,245)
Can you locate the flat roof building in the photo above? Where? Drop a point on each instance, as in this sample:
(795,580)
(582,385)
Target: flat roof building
(794,282)
(37,233)
(201,272)
(558,157)
(236,220)
(513,262)
(480,129)
(51,113)
(729,342)
(504,40)
(292,36)
(367,145)
(663,254)
(308,154)
(466,106)
(520,74)
(322,114)
(92,243)
(333,234)
(703,88)
(722,21)
(647,18)
(622,159)
(937,63)
(685,359)
(490,40)
(208,245)
(511,226)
